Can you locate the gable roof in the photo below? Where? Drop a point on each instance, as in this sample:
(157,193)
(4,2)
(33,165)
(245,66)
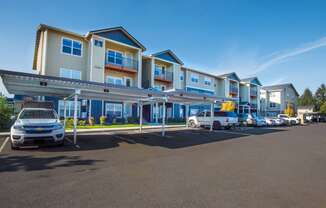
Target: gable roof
(281,86)
(168,55)
(252,80)
(118,34)
(231,75)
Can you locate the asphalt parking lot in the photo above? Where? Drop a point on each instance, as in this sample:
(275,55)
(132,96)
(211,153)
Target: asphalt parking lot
(264,167)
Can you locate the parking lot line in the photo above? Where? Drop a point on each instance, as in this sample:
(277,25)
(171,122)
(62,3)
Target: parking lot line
(76,145)
(124,139)
(4,144)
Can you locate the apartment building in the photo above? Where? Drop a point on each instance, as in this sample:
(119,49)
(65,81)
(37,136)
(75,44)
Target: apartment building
(275,98)
(110,55)
(249,95)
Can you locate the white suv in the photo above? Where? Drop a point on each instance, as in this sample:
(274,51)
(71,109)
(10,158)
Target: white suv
(36,126)
(221,119)
(289,120)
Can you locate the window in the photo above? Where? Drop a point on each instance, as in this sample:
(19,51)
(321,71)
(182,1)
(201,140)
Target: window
(159,69)
(70,106)
(194,78)
(128,81)
(272,105)
(70,73)
(181,77)
(113,110)
(208,81)
(162,87)
(114,57)
(114,80)
(71,47)
(127,110)
(98,43)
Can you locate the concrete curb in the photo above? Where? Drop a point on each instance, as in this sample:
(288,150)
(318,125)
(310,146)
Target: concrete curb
(111,129)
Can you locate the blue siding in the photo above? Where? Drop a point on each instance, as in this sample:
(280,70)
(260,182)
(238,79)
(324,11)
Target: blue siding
(176,110)
(134,110)
(55,101)
(233,76)
(96,110)
(167,56)
(256,81)
(190,89)
(118,35)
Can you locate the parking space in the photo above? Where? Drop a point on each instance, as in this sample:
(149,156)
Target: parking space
(188,168)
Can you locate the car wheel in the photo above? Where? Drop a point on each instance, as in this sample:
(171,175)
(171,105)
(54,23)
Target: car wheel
(192,124)
(216,125)
(13,147)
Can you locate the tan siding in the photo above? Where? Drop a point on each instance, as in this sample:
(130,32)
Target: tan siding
(40,53)
(114,73)
(56,60)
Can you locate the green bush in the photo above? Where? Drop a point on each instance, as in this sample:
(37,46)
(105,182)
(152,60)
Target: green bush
(323,108)
(81,123)
(69,122)
(5,113)
(132,120)
(102,120)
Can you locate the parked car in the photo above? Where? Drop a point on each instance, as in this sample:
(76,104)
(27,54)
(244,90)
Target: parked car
(279,122)
(260,121)
(221,119)
(247,119)
(289,120)
(270,121)
(36,126)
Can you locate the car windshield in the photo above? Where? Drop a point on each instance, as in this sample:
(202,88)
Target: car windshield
(37,114)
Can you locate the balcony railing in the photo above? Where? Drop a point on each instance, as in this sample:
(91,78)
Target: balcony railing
(163,76)
(233,89)
(122,62)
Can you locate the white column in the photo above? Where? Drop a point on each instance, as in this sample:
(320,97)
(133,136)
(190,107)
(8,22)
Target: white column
(152,72)
(102,108)
(163,119)
(64,113)
(187,115)
(75,118)
(140,117)
(90,109)
(212,117)
(156,112)
(139,72)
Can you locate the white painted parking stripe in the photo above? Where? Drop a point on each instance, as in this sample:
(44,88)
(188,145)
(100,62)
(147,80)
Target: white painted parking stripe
(77,146)
(4,144)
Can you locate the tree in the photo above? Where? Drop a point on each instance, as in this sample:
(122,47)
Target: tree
(228,106)
(289,110)
(320,96)
(306,98)
(323,108)
(5,113)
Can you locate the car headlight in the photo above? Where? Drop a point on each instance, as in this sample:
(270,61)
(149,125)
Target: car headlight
(57,126)
(19,127)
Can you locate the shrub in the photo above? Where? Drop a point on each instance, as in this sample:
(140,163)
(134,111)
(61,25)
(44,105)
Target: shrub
(102,120)
(5,113)
(91,121)
(81,122)
(132,120)
(69,122)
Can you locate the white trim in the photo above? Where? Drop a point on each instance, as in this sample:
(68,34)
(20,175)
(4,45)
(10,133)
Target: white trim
(106,108)
(163,60)
(72,47)
(114,78)
(45,40)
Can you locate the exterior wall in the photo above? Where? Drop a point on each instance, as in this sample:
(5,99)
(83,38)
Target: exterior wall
(123,75)
(146,73)
(220,87)
(40,52)
(201,82)
(97,61)
(244,93)
(182,82)
(55,59)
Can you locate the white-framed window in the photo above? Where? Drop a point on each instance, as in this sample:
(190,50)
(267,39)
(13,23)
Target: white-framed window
(194,78)
(208,81)
(272,105)
(114,80)
(159,69)
(113,109)
(70,107)
(128,81)
(182,77)
(98,43)
(71,47)
(70,73)
(127,110)
(114,57)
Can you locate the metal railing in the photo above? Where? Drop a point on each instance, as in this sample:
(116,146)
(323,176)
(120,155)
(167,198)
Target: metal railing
(164,75)
(233,89)
(122,62)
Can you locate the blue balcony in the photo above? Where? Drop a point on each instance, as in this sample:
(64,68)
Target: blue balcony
(163,76)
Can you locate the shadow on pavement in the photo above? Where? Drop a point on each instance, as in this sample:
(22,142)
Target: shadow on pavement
(11,163)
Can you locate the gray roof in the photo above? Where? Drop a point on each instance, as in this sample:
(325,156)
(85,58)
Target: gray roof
(281,86)
(170,53)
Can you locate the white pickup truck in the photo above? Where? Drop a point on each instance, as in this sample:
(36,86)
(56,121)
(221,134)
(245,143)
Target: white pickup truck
(289,120)
(221,119)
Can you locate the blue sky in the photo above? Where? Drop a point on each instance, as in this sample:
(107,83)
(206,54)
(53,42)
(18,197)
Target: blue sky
(276,40)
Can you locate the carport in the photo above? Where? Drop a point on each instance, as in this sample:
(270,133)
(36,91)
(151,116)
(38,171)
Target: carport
(39,85)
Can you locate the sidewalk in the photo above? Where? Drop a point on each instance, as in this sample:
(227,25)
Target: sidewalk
(112,129)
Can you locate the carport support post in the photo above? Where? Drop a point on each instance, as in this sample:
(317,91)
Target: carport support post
(140,117)
(212,117)
(187,115)
(75,118)
(64,112)
(163,120)
(156,112)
